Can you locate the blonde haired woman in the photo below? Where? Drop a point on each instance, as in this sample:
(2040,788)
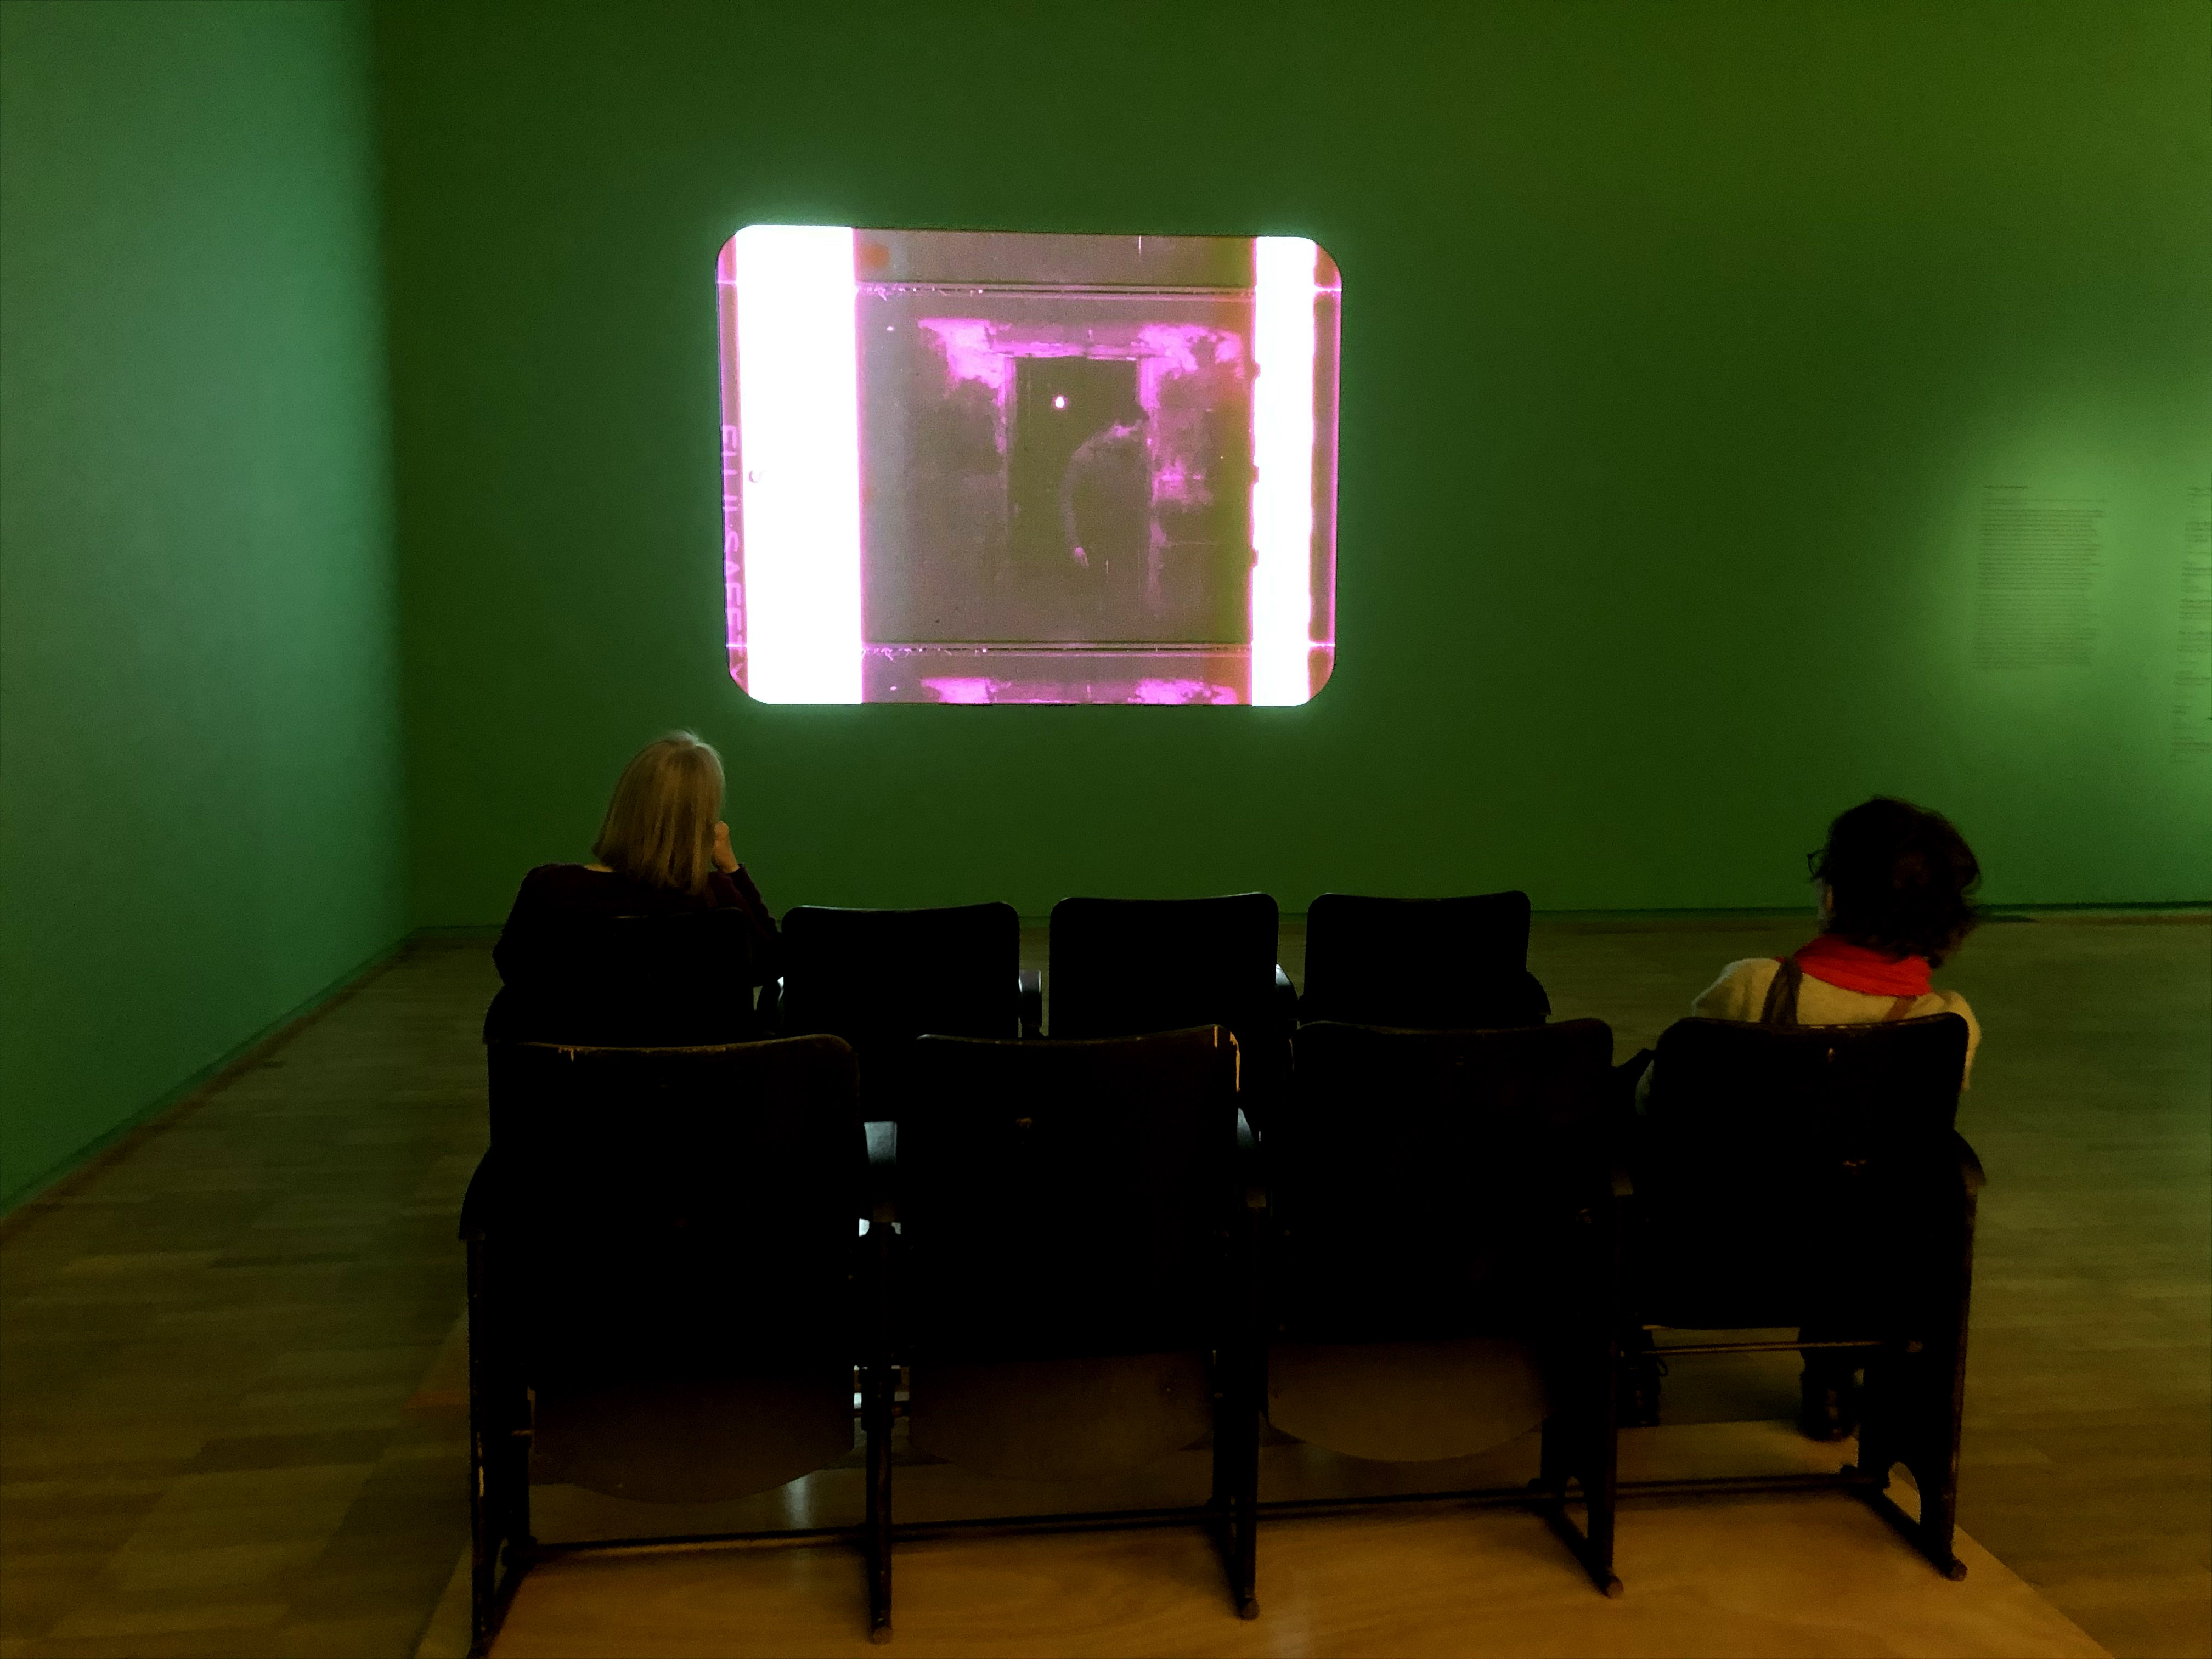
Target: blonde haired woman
(659,941)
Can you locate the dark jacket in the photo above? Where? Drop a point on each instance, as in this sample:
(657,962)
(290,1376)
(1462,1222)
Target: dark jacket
(594,957)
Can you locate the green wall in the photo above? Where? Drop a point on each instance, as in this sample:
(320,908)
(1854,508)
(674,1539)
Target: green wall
(1680,342)
(198,726)
(1683,346)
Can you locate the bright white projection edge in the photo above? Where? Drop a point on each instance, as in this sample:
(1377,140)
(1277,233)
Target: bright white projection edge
(1282,461)
(799,414)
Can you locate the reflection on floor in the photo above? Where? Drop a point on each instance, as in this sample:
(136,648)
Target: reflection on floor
(233,1418)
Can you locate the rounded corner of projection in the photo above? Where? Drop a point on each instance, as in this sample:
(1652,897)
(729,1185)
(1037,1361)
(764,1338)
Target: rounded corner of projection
(1327,274)
(739,674)
(1321,669)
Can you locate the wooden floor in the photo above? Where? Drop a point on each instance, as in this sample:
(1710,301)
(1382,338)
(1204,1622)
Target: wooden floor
(231,1419)
(1773,1577)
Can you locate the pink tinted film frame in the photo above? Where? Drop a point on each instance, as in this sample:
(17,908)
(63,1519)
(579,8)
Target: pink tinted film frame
(1008,467)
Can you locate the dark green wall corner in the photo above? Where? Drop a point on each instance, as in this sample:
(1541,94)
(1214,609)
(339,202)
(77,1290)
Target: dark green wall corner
(201,826)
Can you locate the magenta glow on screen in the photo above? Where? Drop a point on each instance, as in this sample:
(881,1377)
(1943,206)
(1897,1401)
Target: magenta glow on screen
(980,467)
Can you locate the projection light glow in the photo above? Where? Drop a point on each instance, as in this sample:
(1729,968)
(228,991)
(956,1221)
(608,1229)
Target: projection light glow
(1282,468)
(994,467)
(800,489)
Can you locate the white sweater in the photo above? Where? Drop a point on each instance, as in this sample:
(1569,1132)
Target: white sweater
(1740,993)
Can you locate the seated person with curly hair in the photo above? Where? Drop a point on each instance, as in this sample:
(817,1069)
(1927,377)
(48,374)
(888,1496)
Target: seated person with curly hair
(1896,882)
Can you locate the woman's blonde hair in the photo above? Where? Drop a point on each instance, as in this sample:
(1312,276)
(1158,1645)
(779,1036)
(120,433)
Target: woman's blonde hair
(660,827)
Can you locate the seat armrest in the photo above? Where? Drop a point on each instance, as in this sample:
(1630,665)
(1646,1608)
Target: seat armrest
(1622,1103)
(1970,1178)
(1250,1175)
(1029,998)
(478,1203)
(1286,996)
(882,1194)
(1539,999)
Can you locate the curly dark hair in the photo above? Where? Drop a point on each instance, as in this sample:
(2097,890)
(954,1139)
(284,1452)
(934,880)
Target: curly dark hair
(1903,880)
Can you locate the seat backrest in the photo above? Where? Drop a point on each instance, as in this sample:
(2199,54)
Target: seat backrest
(1786,1173)
(675,1212)
(1737,1097)
(1426,964)
(1416,1179)
(1125,966)
(637,981)
(1061,1199)
(881,978)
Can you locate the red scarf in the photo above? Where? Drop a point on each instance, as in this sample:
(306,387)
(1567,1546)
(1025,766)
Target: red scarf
(1850,966)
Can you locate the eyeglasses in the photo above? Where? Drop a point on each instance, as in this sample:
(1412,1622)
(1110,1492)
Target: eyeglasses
(1813,861)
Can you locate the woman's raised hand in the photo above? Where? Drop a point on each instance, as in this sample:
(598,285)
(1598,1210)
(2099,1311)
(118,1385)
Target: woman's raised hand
(725,859)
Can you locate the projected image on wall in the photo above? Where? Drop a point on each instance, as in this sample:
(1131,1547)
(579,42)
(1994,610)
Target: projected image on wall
(995,467)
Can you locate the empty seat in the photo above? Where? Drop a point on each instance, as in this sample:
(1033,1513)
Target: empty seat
(1428,964)
(661,1253)
(1123,966)
(1439,1274)
(1074,1266)
(1810,1176)
(881,978)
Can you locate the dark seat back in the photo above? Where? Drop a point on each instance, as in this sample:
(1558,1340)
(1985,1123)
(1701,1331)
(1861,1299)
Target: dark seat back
(1426,964)
(637,981)
(881,978)
(1124,966)
(675,1213)
(1796,1176)
(1418,1180)
(1064,1198)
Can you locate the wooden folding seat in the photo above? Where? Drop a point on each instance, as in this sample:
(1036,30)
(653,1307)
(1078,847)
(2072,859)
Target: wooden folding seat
(1438,1267)
(666,1295)
(1073,1271)
(1810,1176)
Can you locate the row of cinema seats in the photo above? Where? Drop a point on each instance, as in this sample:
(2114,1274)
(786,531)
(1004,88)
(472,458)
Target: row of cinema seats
(1120,967)
(1075,1263)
